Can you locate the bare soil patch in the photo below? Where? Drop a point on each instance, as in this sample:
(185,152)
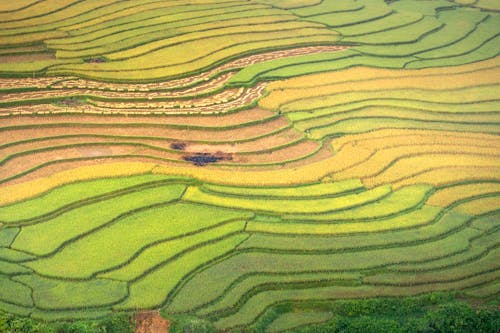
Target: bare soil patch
(151,322)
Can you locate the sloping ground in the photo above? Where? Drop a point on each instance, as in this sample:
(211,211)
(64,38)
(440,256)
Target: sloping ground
(372,170)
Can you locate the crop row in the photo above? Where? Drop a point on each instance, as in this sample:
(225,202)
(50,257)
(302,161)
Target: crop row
(401,39)
(155,266)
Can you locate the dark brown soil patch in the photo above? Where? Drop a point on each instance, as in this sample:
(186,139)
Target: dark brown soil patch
(151,322)
(201,159)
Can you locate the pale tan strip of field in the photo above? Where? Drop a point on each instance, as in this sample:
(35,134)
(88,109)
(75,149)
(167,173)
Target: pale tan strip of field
(446,169)
(73,82)
(203,88)
(305,173)
(253,146)
(228,119)
(190,135)
(221,103)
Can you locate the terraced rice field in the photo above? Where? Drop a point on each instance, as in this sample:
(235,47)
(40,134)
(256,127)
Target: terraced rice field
(220,158)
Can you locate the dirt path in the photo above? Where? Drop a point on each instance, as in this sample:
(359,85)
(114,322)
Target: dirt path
(151,322)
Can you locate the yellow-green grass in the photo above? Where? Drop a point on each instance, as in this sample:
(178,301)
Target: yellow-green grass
(291,4)
(296,319)
(41,8)
(39,186)
(442,154)
(124,29)
(68,9)
(168,250)
(430,8)
(120,41)
(14,292)
(326,7)
(9,268)
(232,270)
(476,107)
(487,4)
(11,255)
(351,126)
(489,263)
(341,62)
(395,20)
(483,205)
(128,237)
(261,70)
(356,75)
(204,40)
(253,284)
(7,235)
(485,290)
(68,315)
(486,30)
(416,218)
(399,113)
(368,12)
(16,6)
(145,11)
(359,83)
(78,14)
(153,289)
(195,194)
(42,32)
(408,166)
(72,194)
(399,35)
(215,50)
(299,191)
(32,67)
(206,303)
(46,237)
(444,176)
(404,199)
(458,23)
(486,51)
(60,294)
(426,225)
(462,92)
(254,307)
(479,247)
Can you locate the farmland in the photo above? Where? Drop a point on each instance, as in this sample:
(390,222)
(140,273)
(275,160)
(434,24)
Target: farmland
(248,165)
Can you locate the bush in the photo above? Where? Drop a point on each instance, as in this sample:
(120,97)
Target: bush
(112,324)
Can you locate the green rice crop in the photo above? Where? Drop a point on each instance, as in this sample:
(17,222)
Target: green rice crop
(167,250)
(153,289)
(61,294)
(46,237)
(14,292)
(129,236)
(301,191)
(72,193)
(195,194)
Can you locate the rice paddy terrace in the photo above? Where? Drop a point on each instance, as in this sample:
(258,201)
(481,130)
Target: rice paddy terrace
(220,158)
